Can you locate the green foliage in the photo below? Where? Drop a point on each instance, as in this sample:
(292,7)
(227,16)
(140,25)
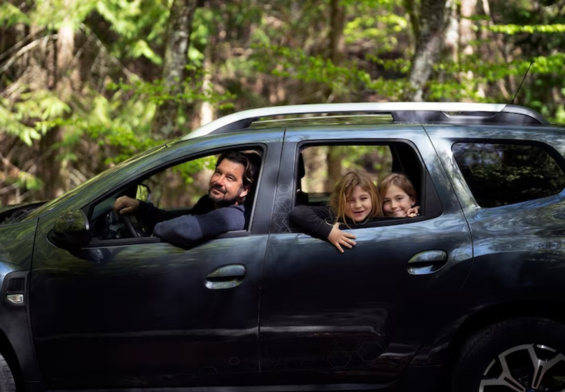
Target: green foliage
(131,29)
(10,15)
(348,78)
(158,92)
(11,123)
(187,170)
(376,29)
(28,181)
(258,53)
(52,14)
(32,115)
(512,29)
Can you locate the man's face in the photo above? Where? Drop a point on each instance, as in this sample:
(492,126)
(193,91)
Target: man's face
(226,184)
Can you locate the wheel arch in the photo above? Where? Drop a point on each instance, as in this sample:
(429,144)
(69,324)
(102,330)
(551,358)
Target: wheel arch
(491,315)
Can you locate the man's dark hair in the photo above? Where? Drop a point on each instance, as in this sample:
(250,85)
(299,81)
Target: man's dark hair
(249,160)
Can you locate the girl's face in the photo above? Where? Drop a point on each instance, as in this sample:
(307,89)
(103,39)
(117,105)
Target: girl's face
(358,205)
(396,202)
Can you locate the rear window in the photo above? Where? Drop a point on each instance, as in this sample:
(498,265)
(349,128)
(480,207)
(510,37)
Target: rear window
(501,174)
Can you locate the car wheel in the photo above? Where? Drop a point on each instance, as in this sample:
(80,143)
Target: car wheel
(522,355)
(7,383)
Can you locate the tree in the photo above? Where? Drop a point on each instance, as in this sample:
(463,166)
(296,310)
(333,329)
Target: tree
(174,66)
(429,29)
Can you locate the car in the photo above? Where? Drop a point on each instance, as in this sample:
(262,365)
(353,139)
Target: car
(468,296)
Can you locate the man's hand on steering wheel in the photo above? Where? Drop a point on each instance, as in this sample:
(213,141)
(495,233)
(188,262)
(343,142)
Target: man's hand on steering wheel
(126,205)
(125,208)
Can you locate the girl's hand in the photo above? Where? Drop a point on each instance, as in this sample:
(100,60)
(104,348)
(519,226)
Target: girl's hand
(341,238)
(413,212)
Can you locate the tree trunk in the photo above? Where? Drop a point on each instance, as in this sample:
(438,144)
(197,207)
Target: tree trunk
(429,43)
(466,37)
(174,66)
(337,49)
(53,169)
(337,43)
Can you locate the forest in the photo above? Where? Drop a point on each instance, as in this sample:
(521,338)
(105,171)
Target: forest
(85,84)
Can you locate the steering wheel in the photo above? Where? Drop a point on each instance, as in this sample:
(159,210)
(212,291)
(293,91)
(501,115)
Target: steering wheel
(131,224)
(127,220)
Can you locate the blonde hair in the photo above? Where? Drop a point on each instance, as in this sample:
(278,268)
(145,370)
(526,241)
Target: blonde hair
(401,181)
(343,189)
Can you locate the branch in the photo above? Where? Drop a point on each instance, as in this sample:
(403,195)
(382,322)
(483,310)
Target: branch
(32,45)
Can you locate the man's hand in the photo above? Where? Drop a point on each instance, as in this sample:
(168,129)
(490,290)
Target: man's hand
(339,238)
(126,205)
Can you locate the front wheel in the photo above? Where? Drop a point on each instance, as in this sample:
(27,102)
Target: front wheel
(524,354)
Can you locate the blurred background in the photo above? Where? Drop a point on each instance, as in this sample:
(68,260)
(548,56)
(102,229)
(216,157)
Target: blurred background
(85,84)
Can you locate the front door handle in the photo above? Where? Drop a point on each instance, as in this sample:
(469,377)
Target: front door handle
(226,277)
(427,262)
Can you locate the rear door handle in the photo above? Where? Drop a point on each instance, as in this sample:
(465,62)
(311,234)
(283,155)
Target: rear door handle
(427,262)
(226,277)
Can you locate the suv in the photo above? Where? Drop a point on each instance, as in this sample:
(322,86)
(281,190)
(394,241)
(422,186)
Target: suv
(468,296)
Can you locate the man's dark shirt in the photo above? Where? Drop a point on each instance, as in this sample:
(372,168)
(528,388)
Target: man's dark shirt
(202,223)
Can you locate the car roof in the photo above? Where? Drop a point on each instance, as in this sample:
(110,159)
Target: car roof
(397,112)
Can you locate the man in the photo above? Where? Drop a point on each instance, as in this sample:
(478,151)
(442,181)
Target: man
(221,210)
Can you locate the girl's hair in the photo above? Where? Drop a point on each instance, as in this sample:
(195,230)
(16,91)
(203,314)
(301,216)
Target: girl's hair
(401,181)
(343,189)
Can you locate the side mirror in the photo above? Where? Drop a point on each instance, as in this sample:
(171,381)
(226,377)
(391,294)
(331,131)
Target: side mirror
(71,229)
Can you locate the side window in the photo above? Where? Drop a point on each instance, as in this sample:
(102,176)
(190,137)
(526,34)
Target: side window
(181,185)
(175,190)
(395,164)
(501,174)
(322,166)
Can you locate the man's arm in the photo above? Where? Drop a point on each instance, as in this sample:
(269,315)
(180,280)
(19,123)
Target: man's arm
(189,230)
(149,214)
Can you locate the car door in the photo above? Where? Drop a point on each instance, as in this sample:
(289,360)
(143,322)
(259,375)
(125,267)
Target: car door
(360,316)
(144,313)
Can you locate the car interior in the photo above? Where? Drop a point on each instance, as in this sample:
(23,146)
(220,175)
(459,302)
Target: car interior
(395,157)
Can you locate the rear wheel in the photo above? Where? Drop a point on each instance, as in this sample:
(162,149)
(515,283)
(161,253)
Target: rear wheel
(522,355)
(7,383)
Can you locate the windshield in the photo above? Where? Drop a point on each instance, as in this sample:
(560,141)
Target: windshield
(29,214)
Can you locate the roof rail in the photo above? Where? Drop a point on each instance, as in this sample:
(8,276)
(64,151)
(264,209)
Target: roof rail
(412,112)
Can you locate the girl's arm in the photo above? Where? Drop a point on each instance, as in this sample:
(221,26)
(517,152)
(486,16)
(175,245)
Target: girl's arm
(316,221)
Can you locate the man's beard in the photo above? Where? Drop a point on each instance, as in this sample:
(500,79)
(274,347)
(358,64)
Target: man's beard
(225,202)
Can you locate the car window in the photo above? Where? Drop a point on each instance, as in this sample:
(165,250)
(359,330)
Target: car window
(319,167)
(181,185)
(175,189)
(499,174)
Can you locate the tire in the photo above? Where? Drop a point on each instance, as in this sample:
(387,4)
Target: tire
(523,354)
(7,383)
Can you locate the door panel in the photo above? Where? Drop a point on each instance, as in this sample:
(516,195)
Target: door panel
(144,315)
(361,316)
(358,316)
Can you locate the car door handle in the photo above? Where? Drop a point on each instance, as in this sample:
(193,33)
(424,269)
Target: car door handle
(226,277)
(427,262)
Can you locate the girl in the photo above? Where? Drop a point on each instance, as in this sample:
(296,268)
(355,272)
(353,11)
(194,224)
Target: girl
(398,196)
(354,201)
